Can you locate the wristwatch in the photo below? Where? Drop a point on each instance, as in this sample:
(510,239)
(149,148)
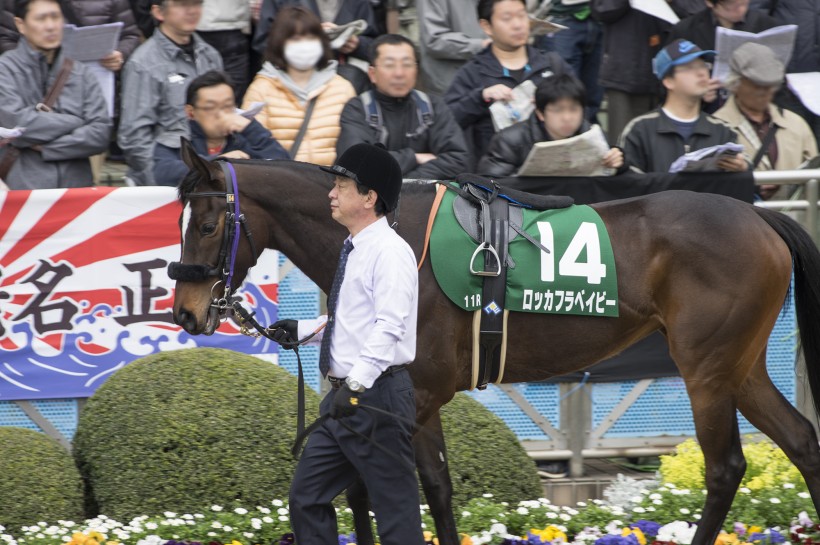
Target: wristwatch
(354,385)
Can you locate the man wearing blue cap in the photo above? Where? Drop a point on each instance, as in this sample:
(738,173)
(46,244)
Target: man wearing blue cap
(652,142)
(368,340)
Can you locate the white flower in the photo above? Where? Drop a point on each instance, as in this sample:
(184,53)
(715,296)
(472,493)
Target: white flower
(639,510)
(465,513)
(267,520)
(169,515)
(151,526)
(657,502)
(522,511)
(256,524)
(282,511)
(744,490)
(216,524)
(788,485)
(684,511)
(754,500)
(216,508)
(277,503)
(498,529)
(565,517)
(487,495)
(264,510)
(804,495)
(248,534)
(228,528)
(283,518)
(774,500)
(241,511)
(654,496)
(211,534)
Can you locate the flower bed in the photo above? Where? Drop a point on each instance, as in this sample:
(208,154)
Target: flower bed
(484,522)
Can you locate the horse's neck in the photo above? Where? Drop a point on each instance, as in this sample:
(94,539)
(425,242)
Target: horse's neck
(301,227)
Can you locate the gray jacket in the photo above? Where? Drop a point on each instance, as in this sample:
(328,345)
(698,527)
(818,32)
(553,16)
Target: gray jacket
(449,37)
(154,82)
(77,128)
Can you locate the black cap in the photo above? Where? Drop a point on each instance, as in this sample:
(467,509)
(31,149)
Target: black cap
(371,166)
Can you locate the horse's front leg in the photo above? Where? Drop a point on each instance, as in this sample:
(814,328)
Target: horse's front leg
(434,474)
(360,505)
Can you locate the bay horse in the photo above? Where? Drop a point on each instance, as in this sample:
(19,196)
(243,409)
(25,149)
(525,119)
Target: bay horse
(710,272)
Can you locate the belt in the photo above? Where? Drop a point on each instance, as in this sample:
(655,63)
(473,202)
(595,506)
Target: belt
(336,382)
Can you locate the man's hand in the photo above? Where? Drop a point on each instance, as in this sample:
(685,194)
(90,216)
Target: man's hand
(236,154)
(422,158)
(350,45)
(233,122)
(286,331)
(712,94)
(496,92)
(345,403)
(614,158)
(733,163)
(113,61)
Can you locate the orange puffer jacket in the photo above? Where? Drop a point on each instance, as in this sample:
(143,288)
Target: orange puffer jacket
(283,115)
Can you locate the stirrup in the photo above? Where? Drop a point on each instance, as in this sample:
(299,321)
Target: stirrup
(485,247)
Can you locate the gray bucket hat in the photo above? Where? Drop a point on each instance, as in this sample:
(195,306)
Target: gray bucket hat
(758,64)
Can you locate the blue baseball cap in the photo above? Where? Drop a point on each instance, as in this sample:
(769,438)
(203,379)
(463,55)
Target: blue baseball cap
(677,53)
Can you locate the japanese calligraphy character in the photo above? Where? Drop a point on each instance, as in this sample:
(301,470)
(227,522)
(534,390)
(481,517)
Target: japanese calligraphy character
(45,279)
(142,312)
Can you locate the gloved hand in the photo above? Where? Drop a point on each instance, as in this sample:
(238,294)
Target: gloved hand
(345,403)
(286,331)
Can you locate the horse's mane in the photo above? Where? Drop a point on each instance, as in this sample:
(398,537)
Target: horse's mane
(192,179)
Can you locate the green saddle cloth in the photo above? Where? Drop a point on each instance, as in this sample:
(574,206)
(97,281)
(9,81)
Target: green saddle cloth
(578,276)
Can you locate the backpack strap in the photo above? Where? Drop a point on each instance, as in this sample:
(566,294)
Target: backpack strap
(373,115)
(424,111)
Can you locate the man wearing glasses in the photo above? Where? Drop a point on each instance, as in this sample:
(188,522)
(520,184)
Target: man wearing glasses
(418,130)
(217,130)
(154,82)
(652,142)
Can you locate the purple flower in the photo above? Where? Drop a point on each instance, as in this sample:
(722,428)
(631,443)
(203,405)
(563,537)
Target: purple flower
(649,528)
(611,539)
(344,540)
(287,539)
(772,537)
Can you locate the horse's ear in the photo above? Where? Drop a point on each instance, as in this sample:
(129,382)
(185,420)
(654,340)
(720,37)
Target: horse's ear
(194,162)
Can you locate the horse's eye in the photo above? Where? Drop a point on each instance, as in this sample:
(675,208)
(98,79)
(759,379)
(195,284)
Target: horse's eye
(207,229)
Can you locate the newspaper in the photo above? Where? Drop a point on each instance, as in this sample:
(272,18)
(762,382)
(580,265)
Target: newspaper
(339,34)
(251,112)
(540,27)
(509,112)
(9,134)
(579,155)
(805,86)
(706,159)
(90,43)
(779,39)
(656,8)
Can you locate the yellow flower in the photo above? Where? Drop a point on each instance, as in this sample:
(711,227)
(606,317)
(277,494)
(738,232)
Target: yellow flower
(636,532)
(466,540)
(428,535)
(726,539)
(755,530)
(550,533)
(96,536)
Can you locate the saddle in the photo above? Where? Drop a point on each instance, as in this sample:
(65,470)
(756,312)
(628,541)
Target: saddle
(493,215)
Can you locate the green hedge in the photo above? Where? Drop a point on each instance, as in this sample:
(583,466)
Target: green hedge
(38,478)
(485,456)
(182,430)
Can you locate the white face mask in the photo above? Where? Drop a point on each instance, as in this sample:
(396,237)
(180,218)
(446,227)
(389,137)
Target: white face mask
(303,54)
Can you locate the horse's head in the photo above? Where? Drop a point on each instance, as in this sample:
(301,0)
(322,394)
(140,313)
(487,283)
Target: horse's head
(217,247)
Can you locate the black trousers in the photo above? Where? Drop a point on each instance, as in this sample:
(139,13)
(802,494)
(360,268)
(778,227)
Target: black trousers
(334,457)
(235,49)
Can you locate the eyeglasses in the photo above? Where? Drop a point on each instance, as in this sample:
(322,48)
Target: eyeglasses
(390,66)
(213,108)
(693,66)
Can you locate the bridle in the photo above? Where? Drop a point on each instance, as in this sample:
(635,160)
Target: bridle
(224,269)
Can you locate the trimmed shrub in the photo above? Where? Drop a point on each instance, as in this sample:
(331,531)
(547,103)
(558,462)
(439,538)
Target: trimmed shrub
(485,456)
(183,430)
(38,478)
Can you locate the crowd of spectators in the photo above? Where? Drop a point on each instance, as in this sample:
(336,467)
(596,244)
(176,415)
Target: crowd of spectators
(425,91)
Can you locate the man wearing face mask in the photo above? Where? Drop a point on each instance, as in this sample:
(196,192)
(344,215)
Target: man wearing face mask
(303,95)
(417,129)
(154,82)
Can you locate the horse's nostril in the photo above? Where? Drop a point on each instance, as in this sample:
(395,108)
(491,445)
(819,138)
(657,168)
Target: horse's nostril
(185,319)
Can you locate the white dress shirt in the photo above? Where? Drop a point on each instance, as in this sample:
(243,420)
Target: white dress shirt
(377,309)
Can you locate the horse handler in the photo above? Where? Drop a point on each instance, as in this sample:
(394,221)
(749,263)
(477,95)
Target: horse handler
(369,340)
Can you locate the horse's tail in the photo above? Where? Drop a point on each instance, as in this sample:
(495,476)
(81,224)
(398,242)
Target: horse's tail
(806,267)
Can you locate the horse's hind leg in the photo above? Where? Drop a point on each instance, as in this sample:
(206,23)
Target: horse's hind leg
(359,503)
(431,461)
(719,438)
(766,408)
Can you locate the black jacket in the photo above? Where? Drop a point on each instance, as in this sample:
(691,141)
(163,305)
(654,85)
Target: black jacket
(80,13)
(651,142)
(349,11)
(700,27)
(464,95)
(255,140)
(443,138)
(806,15)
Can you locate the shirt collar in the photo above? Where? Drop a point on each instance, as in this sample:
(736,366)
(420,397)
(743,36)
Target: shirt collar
(369,233)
